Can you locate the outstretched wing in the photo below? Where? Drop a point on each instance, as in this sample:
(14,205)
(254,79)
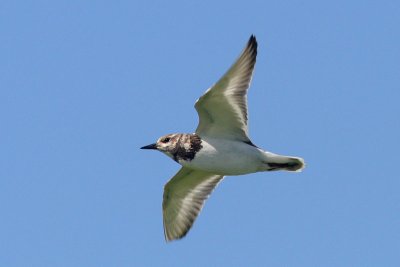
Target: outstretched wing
(223,108)
(184,197)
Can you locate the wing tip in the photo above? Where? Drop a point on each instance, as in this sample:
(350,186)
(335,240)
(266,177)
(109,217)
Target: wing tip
(169,239)
(172,234)
(252,43)
(250,52)
(252,39)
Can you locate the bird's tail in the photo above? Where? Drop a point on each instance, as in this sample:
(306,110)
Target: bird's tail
(277,162)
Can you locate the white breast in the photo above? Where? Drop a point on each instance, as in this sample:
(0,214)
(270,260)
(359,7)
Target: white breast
(226,157)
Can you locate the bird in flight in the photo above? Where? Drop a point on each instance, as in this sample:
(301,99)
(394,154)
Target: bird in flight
(220,146)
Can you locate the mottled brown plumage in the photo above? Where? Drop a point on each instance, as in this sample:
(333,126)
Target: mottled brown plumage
(180,146)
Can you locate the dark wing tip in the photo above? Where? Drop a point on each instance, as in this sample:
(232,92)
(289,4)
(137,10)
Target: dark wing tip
(249,53)
(252,39)
(252,44)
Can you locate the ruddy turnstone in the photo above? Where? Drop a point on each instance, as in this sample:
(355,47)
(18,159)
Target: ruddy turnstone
(220,146)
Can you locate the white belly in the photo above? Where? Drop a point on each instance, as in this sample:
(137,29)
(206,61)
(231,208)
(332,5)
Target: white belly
(226,157)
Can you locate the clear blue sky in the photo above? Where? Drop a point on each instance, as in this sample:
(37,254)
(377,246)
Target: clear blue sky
(84,84)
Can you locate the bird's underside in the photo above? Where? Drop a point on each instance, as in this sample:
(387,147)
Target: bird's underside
(220,146)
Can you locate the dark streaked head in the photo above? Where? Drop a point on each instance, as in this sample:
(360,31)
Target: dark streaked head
(177,146)
(166,143)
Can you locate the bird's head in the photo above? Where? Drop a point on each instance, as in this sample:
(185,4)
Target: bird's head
(166,144)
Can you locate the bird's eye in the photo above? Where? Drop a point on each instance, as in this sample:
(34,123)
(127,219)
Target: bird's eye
(165,140)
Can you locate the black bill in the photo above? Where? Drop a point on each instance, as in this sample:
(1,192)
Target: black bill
(152,146)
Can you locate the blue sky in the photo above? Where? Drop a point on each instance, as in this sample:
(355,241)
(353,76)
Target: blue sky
(84,84)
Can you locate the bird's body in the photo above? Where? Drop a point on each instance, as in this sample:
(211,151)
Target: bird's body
(219,147)
(226,157)
(229,157)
